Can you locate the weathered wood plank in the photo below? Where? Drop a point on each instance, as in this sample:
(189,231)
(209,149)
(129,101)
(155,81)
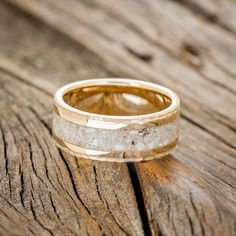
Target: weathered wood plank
(63,196)
(112,46)
(201,44)
(44,191)
(193,192)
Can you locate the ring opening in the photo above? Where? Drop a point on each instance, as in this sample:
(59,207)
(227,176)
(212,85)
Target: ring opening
(117,100)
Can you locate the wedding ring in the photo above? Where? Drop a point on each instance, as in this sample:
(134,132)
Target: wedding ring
(114,119)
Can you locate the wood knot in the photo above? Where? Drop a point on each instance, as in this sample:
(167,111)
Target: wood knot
(191,54)
(143,56)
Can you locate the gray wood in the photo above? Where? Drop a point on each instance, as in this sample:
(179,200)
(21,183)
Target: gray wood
(219,12)
(191,192)
(44,191)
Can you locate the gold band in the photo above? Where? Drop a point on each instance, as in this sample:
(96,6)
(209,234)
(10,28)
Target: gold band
(127,156)
(103,118)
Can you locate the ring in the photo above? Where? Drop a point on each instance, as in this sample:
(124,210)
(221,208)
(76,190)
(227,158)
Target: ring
(114,119)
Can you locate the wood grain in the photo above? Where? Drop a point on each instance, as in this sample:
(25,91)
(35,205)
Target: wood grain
(44,191)
(218,12)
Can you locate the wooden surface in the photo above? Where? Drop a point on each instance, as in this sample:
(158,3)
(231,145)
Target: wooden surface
(187,45)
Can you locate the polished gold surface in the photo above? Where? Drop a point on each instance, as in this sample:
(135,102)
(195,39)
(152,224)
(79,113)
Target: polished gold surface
(116,103)
(114,121)
(128,156)
(117,100)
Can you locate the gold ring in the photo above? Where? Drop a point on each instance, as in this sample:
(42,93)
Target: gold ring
(114,119)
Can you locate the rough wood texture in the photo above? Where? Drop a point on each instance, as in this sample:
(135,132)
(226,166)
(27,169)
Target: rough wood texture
(180,44)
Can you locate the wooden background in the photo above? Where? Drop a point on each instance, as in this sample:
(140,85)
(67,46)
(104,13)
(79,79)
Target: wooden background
(187,45)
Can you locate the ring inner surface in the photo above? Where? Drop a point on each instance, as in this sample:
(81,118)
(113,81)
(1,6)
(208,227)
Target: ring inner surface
(116,100)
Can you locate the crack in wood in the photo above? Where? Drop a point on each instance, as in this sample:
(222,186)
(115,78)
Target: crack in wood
(139,198)
(4,149)
(74,184)
(114,219)
(22,191)
(36,219)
